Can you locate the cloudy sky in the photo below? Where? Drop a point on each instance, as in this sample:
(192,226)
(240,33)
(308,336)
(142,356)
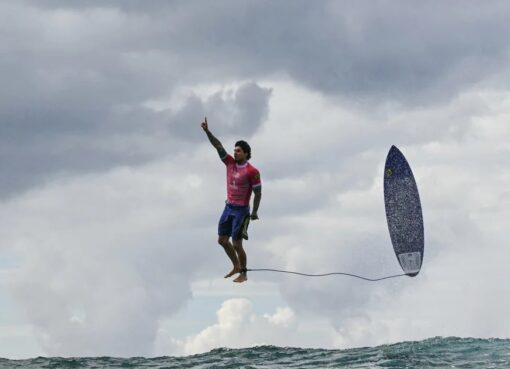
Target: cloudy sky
(110,193)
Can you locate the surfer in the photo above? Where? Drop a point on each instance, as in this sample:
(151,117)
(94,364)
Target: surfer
(242,179)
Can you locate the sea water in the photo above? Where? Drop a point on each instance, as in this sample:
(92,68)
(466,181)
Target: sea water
(431,353)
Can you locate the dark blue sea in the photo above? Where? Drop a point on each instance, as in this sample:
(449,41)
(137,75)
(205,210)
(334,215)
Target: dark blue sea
(431,353)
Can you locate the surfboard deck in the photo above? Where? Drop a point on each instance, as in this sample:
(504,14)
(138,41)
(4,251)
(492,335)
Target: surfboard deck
(403,212)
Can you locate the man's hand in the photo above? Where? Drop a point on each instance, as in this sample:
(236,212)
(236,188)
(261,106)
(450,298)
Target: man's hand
(204,125)
(254,216)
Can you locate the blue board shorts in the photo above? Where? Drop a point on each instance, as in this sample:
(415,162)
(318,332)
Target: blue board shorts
(231,221)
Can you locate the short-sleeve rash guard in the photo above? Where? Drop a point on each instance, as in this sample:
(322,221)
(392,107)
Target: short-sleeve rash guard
(241,180)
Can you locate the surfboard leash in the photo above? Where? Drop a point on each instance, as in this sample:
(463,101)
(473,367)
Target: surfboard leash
(326,274)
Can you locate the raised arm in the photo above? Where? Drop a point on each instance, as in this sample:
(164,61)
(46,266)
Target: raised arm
(214,141)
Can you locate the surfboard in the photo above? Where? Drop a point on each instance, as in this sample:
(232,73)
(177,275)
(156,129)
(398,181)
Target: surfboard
(403,212)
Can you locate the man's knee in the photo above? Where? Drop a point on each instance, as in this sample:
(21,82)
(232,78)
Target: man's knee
(238,244)
(223,240)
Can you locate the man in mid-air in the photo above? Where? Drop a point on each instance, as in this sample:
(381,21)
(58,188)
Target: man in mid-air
(242,179)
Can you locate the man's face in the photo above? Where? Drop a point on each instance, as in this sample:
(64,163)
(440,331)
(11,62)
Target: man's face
(239,154)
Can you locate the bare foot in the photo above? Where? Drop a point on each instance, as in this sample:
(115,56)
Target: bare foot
(242,278)
(233,271)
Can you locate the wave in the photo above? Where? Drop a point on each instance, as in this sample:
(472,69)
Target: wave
(437,352)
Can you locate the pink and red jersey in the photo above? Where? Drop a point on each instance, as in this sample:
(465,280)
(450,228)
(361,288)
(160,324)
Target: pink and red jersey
(241,179)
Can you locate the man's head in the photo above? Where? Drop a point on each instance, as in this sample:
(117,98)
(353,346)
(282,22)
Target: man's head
(242,151)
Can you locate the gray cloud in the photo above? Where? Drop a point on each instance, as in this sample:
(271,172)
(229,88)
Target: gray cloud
(74,84)
(239,113)
(38,145)
(416,53)
(72,68)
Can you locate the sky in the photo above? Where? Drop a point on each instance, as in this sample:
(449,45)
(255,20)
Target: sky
(110,192)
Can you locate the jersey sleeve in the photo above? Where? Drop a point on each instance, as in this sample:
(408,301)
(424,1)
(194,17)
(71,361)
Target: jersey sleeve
(255,178)
(228,159)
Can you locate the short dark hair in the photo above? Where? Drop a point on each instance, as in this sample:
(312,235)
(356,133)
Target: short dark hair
(245,147)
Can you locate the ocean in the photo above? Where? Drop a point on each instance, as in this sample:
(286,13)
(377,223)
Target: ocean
(435,352)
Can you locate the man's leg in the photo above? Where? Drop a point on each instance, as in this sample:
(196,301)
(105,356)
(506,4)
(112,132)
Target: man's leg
(241,255)
(229,249)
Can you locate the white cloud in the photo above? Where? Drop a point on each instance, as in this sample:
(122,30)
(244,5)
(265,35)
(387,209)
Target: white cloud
(238,326)
(218,287)
(459,153)
(106,255)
